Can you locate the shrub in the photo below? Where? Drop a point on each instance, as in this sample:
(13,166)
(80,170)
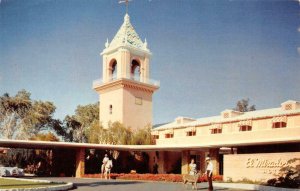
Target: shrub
(289,176)
(152,177)
(289,180)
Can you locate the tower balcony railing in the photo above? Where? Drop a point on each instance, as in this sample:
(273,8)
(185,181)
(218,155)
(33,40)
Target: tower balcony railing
(99,82)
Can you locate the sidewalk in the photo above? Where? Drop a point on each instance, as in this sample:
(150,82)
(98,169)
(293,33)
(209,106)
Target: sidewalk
(92,184)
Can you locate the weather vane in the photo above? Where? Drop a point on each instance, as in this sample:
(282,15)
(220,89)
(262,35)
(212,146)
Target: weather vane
(126,3)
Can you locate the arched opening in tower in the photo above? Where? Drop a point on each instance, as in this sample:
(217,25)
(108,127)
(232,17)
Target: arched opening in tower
(135,70)
(113,70)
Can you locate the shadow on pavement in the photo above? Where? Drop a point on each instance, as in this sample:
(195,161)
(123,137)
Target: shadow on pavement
(215,189)
(104,183)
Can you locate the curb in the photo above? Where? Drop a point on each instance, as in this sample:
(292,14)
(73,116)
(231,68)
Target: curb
(66,186)
(252,187)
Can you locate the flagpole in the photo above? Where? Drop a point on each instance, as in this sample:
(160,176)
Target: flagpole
(126,4)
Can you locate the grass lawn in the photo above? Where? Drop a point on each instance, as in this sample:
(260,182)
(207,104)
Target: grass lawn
(13,183)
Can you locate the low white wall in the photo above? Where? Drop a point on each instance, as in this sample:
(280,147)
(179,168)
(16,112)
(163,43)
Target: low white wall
(257,167)
(65,186)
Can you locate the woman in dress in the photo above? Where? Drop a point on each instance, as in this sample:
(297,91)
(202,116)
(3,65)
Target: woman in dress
(193,167)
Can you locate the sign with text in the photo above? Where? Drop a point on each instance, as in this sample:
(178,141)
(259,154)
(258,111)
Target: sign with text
(258,167)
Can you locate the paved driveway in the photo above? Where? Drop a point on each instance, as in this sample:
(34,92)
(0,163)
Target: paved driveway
(86,184)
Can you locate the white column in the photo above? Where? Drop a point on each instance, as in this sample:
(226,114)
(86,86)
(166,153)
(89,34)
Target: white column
(104,69)
(124,67)
(146,70)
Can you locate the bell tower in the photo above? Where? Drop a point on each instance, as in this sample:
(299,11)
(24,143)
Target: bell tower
(126,88)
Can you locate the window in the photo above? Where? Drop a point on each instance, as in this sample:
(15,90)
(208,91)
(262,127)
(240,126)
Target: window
(288,107)
(138,101)
(191,133)
(155,136)
(245,128)
(226,115)
(216,131)
(168,135)
(110,109)
(279,122)
(279,125)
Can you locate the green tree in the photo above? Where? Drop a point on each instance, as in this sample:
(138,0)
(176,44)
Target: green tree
(78,127)
(243,106)
(45,137)
(21,117)
(73,129)
(39,117)
(118,134)
(87,114)
(96,133)
(58,127)
(142,136)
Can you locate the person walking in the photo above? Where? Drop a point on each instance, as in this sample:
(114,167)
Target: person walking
(208,172)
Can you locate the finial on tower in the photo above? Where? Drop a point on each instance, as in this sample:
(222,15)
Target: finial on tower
(126,3)
(145,44)
(107,43)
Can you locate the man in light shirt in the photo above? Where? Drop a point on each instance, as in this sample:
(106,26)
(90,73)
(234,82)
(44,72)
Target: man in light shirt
(208,172)
(104,162)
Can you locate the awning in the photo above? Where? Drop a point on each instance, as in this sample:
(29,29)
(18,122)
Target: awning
(169,131)
(279,119)
(245,123)
(169,147)
(190,129)
(216,126)
(154,132)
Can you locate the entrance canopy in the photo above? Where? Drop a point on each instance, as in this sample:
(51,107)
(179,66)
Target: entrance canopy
(70,145)
(172,147)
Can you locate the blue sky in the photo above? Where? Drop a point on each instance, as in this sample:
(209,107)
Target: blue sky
(207,54)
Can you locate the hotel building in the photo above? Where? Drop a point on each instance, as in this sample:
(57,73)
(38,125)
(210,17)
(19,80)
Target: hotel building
(252,145)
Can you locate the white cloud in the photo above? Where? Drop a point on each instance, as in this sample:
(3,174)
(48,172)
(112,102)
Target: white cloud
(298,50)
(299,29)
